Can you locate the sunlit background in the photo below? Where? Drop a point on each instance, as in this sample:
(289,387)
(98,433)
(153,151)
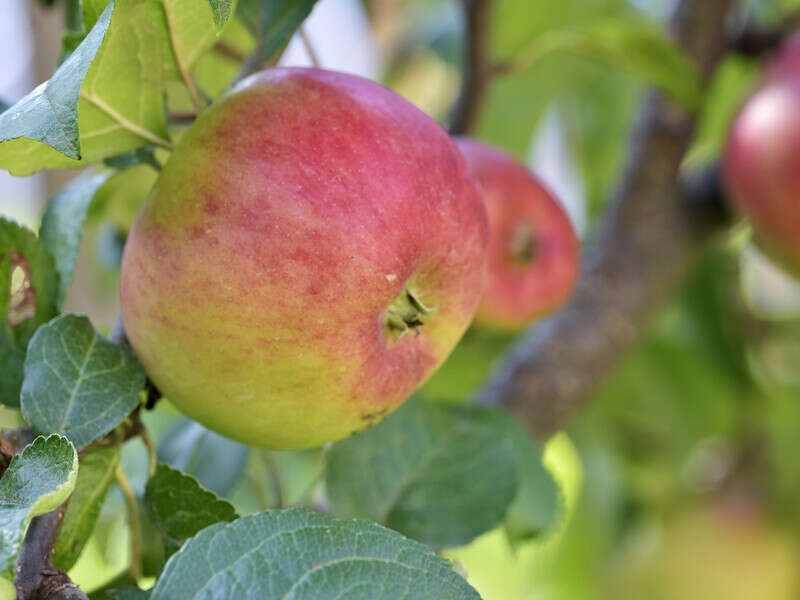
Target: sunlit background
(681,479)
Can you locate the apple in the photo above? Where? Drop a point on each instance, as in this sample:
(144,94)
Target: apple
(312,251)
(761,166)
(534,254)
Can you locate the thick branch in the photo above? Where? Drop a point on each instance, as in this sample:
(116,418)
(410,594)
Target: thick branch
(643,250)
(477,66)
(36,578)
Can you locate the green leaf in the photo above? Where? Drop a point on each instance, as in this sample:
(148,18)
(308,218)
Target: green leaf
(27,271)
(630,44)
(129,593)
(94,478)
(91,11)
(221,10)
(62,226)
(538,505)
(274,22)
(189,29)
(441,475)
(181,507)
(299,554)
(217,462)
(135,157)
(122,104)
(38,480)
(77,382)
(41,130)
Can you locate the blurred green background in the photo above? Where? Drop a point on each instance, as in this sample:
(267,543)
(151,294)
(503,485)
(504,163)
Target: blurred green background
(681,479)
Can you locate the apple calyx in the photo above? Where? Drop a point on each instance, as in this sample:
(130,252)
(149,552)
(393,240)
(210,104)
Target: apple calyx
(523,245)
(405,313)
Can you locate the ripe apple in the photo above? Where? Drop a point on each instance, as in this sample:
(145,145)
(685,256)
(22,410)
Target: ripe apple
(534,254)
(762,159)
(313,250)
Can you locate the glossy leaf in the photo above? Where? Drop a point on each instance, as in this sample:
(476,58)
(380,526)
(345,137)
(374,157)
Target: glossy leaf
(38,480)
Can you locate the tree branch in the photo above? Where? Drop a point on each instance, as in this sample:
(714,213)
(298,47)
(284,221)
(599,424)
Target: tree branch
(477,66)
(36,578)
(644,247)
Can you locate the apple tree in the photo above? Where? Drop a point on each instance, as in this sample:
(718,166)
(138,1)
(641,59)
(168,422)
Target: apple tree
(291,404)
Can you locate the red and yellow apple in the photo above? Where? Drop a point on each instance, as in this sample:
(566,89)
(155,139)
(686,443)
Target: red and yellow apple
(313,250)
(534,254)
(762,159)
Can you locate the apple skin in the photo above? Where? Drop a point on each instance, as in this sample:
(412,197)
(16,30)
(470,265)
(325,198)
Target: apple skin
(761,166)
(519,290)
(282,237)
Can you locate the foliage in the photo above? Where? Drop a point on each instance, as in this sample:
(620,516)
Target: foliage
(704,387)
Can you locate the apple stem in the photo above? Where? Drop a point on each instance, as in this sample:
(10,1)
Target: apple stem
(405,313)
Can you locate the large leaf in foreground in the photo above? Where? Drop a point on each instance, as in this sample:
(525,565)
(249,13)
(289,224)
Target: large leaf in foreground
(38,479)
(42,129)
(441,475)
(77,382)
(300,555)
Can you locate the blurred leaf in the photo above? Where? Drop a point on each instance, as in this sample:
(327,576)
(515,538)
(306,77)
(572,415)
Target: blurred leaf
(91,11)
(441,475)
(467,367)
(138,156)
(181,507)
(299,554)
(38,480)
(62,226)
(120,198)
(732,83)
(110,245)
(217,462)
(94,478)
(25,263)
(537,506)
(274,22)
(129,593)
(77,382)
(41,130)
(634,45)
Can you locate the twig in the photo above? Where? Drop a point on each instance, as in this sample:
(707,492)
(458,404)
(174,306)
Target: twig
(645,246)
(35,577)
(135,525)
(312,53)
(478,69)
(228,51)
(152,457)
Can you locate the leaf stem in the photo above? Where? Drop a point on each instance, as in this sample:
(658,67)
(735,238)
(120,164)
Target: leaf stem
(152,459)
(309,46)
(125,123)
(135,524)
